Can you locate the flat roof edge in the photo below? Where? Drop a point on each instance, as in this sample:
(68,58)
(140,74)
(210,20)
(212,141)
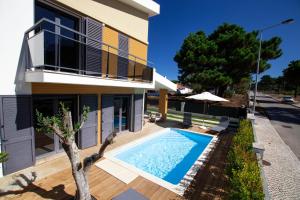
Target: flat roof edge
(147,6)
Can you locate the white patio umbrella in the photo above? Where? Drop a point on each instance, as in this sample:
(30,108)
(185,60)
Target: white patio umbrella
(206,97)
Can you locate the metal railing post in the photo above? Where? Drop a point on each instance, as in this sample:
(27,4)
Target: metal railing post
(134,65)
(107,62)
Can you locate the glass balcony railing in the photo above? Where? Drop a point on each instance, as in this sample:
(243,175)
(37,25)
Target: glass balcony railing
(70,51)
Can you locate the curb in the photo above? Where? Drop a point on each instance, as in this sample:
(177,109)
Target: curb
(260,164)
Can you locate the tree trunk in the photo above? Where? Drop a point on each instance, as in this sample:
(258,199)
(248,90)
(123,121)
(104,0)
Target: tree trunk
(83,190)
(221,91)
(296,91)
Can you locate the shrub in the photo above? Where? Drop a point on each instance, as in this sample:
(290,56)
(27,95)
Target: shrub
(228,93)
(243,169)
(3,157)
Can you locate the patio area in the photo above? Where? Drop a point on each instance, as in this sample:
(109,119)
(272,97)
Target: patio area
(51,177)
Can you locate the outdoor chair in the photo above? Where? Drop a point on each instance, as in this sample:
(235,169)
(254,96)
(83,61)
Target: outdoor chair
(187,120)
(155,117)
(223,125)
(147,115)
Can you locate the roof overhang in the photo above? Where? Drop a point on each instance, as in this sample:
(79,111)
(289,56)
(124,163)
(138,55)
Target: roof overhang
(46,76)
(147,6)
(162,82)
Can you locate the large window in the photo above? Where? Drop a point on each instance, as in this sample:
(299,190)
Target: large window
(60,49)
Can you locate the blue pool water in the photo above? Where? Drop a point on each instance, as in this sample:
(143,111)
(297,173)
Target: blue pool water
(168,156)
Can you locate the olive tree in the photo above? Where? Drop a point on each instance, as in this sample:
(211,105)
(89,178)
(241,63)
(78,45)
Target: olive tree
(61,124)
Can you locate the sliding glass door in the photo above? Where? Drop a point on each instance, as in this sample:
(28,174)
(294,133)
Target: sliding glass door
(121,113)
(48,143)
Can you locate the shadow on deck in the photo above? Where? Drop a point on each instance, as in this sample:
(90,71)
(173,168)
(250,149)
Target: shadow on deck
(211,182)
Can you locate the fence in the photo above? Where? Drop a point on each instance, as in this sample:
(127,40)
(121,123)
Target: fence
(198,107)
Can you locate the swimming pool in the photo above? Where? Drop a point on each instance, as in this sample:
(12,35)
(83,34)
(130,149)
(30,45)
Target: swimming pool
(167,156)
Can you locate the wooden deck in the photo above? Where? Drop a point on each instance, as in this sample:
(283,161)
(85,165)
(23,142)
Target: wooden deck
(61,186)
(210,182)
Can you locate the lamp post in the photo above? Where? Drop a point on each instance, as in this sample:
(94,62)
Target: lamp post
(288,21)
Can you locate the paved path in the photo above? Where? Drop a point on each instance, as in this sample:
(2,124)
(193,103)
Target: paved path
(280,165)
(286,120)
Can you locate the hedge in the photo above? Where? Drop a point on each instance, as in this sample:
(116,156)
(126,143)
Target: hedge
(243,170)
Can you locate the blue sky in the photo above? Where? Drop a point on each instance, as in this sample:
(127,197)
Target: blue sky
(180,17)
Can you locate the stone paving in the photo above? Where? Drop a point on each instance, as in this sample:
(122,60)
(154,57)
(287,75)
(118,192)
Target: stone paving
(281,167)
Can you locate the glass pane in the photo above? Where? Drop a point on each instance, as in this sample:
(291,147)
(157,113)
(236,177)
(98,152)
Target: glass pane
(69,55)
(125,113)
(117,104)
(49,49)
(44,142)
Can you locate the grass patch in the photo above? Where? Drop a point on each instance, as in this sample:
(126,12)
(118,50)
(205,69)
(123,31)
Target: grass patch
(179,117)
(243,169)
(196,120)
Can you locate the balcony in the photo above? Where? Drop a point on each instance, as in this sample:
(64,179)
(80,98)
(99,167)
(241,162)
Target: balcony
(58,54)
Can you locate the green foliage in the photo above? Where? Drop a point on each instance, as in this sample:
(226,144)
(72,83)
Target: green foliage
(224,57)
(244,182)
(243,169)
(47,124)
(3,157)
(228,93)
(291,74)
(267,83)
(242,86)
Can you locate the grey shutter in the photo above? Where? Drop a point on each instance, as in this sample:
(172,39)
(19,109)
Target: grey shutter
(88,134)
(123,56)
(107,115)
(138,112)
(93,49)
(17,132)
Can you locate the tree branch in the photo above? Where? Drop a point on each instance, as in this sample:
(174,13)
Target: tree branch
(90,160)
(58,132)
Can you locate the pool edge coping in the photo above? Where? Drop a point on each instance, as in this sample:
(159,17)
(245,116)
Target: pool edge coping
(187,179)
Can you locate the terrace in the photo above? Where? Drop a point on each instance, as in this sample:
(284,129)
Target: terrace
(52,178)
(59,54)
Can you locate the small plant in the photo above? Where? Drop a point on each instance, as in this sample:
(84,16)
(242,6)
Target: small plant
(3,157)
(61,124)
(243,169)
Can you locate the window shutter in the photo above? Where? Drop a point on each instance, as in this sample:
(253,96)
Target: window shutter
(138,112)
(107,110)
(17,132)
(88,134)
(123,56)
(94,30)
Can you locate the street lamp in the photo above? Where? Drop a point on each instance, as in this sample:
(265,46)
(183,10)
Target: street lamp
(288,21)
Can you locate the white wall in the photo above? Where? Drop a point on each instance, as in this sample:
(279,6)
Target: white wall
(16,16)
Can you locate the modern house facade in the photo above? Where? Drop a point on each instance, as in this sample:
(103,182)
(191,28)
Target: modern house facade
(79,52)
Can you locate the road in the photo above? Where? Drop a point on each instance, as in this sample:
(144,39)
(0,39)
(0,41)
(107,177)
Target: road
(285,119)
